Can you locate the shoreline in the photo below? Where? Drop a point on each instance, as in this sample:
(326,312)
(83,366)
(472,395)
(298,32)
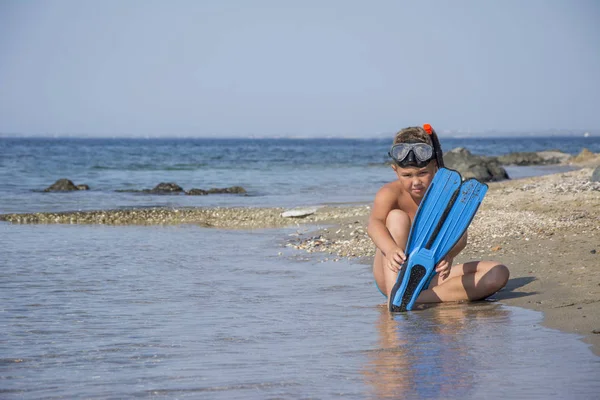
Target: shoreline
(546,229)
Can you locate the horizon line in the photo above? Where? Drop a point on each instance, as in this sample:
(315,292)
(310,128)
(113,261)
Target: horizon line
(450,134)
(282,137)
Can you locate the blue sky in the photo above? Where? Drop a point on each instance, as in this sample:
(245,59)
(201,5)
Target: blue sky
(301,68)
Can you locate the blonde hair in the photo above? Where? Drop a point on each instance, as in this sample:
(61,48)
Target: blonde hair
(413,134)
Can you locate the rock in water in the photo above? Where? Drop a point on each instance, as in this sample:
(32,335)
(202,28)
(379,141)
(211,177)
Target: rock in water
(298,213)
(61,185)
(197,192)
(202,192)
(232,189)
(165,188)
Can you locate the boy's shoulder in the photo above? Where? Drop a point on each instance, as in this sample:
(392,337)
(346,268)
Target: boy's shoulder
(390,192)
(393,187)
(393,196)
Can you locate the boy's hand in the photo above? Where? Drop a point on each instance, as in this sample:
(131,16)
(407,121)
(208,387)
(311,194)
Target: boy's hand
(394,259)
(443,267)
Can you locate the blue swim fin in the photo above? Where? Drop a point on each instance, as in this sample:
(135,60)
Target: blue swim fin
(440,195)
(444,215)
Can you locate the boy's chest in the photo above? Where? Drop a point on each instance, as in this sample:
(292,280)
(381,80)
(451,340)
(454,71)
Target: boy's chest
(408,205)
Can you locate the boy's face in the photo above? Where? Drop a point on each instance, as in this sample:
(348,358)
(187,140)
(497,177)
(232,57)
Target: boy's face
(416,180)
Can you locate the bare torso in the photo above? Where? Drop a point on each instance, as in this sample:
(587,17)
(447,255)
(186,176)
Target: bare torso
(403,200)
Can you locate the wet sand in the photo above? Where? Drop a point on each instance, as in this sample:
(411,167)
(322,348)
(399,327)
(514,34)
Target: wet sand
(545,229)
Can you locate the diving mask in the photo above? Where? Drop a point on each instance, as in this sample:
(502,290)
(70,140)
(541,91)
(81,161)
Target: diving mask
(411,154)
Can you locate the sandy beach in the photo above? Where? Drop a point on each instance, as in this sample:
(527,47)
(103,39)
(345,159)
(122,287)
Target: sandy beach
(545,229)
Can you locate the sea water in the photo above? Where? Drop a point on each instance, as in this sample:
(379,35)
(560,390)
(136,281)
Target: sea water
(187,312)
(275,172)
(107,312)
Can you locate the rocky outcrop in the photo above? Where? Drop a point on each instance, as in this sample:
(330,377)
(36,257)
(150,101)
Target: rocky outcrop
(486,169)
(65,185)
(554,156)
(173,188)
(596,175)
(584,156)
(533,158)
(165,188)
(202,192)
(197,192)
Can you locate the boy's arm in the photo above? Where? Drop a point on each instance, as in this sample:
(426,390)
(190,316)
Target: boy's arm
(443,267)
(460,245)
(377,231)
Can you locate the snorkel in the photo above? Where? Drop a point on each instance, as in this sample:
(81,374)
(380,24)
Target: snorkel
(437,148)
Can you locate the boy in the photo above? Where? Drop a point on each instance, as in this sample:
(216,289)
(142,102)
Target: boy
(417,155)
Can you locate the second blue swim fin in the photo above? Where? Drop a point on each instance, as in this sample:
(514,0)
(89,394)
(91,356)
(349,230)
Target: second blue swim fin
(444,215)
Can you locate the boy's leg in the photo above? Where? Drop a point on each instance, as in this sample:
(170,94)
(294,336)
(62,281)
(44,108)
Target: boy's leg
(398,224)
(474,280)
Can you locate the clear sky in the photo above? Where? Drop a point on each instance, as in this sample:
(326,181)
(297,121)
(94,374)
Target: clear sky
(297,68)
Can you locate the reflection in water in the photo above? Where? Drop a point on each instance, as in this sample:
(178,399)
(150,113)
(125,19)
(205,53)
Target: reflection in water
(428,353)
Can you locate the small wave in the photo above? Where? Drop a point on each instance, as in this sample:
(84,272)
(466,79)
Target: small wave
(102,167)
(151,167)
(185,167)
(223,388)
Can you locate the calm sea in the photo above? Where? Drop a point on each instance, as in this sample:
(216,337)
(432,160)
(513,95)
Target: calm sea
(275,172)
(114,312)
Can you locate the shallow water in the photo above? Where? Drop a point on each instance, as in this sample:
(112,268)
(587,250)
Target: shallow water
(187,312)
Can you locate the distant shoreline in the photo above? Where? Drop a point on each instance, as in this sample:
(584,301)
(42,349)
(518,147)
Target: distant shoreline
(579,133)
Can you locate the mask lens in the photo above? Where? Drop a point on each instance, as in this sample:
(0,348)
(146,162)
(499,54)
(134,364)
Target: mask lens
(400,151)
(421,151)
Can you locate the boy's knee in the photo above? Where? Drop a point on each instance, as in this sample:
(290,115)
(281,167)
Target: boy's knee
(398,223)
(396,219)
(496,277)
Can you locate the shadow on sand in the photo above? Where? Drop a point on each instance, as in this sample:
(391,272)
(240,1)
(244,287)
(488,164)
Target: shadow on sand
(509,290)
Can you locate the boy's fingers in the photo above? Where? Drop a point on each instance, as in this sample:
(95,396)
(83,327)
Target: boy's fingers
(391,266)
(441,266)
